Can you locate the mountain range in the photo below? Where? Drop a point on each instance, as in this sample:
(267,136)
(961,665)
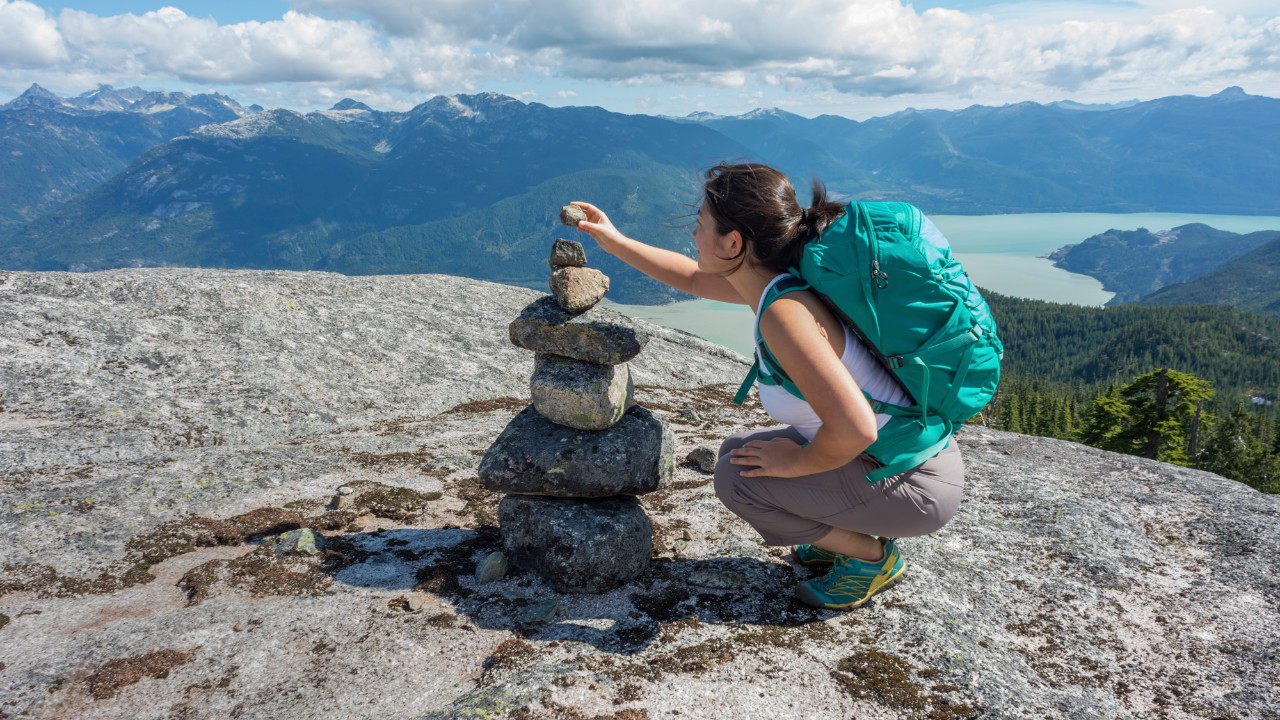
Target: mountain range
(53,149)
(471,184)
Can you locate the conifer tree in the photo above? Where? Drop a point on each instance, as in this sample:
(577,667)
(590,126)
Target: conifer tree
(1109,415)
(1233,449)
(1151,416)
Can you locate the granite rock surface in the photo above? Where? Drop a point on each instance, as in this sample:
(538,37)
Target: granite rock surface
(157,427)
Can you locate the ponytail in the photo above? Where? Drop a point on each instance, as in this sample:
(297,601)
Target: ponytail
(760,203)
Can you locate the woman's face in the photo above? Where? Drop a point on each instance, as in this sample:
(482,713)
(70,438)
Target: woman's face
(713,254)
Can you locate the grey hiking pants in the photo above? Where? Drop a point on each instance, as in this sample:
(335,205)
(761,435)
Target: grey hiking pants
(791,511)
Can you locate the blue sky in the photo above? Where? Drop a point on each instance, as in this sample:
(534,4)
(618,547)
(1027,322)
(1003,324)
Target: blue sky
(856,58)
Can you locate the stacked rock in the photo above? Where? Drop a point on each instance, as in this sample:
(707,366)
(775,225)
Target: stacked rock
(573,462)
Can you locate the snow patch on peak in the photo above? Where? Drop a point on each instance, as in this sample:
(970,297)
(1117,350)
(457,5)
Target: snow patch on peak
(249,126)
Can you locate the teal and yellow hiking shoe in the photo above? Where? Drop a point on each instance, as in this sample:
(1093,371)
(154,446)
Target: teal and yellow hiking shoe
(813,555)
(851,582)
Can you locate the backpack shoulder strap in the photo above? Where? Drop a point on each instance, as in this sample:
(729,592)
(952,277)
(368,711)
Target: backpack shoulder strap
(770,371)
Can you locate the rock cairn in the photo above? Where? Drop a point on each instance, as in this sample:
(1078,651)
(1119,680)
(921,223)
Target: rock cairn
(573,462)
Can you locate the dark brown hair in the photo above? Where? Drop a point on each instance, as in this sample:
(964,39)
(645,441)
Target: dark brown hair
(760,203)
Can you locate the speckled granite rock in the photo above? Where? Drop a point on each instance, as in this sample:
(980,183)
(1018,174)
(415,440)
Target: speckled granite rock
(598,335)
(580,395)
(571,215)
(578,288)
(577,546)
(536,456)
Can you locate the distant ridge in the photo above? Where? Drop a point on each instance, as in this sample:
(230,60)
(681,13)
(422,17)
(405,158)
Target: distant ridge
(1135,263)
(1250,282)
(464,184)
(53,149)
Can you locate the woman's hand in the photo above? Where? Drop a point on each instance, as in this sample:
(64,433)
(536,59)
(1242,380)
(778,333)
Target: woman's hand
(779,457)
(599,227)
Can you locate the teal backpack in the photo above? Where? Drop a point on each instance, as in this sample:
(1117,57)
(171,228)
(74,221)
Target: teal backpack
(913,305)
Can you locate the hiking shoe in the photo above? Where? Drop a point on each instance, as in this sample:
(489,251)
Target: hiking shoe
(851,582)
(813,555)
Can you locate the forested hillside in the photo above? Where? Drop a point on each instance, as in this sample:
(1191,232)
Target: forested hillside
(1250,282)
(1137,263)
(1066,366)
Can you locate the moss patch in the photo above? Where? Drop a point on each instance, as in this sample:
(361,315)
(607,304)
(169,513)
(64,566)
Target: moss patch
(395,503)
(4,620)
(480,505)
(262,572)
(167,540)
(511,654)
(873,674)
(122,672)
(484,406)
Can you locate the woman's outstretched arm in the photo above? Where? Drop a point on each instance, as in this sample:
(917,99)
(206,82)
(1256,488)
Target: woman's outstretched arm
(665,266)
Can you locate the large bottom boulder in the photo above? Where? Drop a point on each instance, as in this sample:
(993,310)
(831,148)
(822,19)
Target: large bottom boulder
(577,545)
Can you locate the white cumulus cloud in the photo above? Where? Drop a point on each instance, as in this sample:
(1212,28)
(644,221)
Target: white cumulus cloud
(30,37)
(877,48)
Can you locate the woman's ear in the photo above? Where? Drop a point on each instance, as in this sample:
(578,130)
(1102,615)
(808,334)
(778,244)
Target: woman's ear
(732,245)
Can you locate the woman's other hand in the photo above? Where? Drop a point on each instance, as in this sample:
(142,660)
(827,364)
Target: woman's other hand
(779,457)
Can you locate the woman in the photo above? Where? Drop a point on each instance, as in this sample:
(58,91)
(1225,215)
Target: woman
(802,483)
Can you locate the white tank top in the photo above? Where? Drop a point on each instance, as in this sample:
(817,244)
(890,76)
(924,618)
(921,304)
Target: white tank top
(870,376)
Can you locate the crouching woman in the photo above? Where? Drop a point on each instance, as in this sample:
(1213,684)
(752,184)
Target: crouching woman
(802,483)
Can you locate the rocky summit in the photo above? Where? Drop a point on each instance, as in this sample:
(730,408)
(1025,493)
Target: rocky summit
(160,429)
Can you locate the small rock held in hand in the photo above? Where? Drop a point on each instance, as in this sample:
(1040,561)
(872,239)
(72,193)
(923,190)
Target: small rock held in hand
(571,215)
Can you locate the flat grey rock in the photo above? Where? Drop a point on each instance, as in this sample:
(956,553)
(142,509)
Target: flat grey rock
(579,394)
(598,335)
(578,288)
(536,456)
(577,546)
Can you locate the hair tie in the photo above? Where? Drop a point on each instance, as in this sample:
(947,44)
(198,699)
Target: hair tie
(804,216)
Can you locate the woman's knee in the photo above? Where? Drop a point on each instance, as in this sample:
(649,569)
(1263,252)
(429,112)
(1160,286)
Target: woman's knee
(726,481)
(733,442)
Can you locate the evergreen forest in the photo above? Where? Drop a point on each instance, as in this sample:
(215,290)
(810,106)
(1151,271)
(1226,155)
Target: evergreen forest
(1194,385)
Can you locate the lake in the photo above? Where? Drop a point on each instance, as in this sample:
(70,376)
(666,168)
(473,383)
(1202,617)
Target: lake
(1002,253)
